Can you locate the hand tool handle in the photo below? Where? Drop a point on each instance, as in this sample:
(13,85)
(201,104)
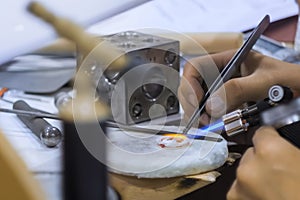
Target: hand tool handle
(286,119)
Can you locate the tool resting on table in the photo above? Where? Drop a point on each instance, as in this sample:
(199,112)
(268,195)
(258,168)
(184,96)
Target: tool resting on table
(48,134)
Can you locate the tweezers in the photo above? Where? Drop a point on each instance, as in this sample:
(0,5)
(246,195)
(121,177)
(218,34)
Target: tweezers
(162,132)
(229,69)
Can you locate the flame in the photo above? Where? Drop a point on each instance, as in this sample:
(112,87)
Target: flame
(173,141)
(176,135)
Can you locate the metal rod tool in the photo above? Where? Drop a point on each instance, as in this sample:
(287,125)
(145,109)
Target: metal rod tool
(229,69)
(161,132)
(35,114)
(48,134)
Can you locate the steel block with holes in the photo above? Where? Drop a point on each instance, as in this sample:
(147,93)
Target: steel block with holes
(146,87)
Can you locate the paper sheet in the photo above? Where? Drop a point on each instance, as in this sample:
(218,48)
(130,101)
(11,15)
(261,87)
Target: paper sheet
(37,157)
(21,32)
(198,15)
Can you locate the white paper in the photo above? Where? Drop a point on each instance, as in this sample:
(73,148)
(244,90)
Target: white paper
(21,32)
(198,15)
(37,157)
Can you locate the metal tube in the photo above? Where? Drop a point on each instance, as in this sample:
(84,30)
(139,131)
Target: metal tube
(48,134)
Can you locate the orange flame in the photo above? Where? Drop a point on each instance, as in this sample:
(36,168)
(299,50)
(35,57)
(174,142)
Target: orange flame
(176,135)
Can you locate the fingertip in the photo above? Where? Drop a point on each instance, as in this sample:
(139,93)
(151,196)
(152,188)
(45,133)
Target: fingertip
(266,128)
(204,119)
(263,138)
(193,100)
(215,106)
(186,106)
(190,90)
(232,193)
(186,94)
(264,131)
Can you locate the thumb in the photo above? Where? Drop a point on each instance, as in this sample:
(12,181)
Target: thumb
(235,92)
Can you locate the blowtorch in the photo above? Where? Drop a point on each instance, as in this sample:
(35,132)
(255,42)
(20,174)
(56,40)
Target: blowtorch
(278,110)
(240,120)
